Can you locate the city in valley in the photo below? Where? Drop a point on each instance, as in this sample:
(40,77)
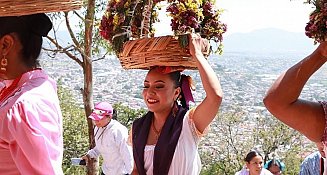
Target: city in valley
(245,77)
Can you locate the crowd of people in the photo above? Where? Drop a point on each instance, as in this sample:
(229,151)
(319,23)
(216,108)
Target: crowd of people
(163,141)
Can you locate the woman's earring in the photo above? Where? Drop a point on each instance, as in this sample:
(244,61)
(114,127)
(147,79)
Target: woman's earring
(3,64)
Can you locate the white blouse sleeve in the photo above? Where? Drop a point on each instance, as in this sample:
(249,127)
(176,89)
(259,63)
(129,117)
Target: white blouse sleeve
(197,135)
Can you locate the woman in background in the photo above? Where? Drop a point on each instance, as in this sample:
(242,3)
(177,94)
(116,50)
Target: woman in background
(253,165)
(276,167)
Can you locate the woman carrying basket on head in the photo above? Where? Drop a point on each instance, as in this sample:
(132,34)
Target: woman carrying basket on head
(31,138)
(165,140)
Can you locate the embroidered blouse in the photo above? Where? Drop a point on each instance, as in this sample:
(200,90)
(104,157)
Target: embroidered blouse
(186,159)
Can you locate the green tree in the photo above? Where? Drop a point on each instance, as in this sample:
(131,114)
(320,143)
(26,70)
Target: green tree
(75,131)
(75,127)
(126,115)
(85,42)
(233,135)
(280,141)
(223,149)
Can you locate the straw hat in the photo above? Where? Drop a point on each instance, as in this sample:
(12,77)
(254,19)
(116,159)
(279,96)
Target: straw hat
(27,7)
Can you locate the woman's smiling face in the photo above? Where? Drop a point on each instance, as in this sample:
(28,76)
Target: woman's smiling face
(159,92)
(255,165)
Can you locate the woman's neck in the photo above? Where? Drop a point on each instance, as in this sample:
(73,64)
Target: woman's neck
(109,120)
(161,117)
(18,71)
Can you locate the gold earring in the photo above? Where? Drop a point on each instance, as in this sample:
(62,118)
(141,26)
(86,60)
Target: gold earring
(3,64)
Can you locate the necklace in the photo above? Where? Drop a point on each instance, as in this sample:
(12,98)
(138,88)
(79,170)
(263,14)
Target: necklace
(156,131)
(5,92)
(8,90)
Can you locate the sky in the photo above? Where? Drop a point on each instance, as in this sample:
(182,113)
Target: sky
(248,15)
(242,16)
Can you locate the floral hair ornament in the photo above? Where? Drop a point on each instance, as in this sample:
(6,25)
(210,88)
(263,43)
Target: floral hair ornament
(168,69)
(187,85)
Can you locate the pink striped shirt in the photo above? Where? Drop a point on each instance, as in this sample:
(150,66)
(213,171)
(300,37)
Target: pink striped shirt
(31,134)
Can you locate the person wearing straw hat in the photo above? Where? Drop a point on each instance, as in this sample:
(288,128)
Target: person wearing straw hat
(31,133)
(165,140)
(110,141)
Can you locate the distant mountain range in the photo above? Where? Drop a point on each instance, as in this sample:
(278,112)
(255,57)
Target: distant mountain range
(263,40)
(266,40)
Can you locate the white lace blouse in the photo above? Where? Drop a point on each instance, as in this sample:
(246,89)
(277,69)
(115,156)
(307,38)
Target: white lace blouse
(186,159)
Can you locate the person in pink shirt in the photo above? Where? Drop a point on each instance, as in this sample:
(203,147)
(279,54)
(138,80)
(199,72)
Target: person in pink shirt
(282,99)
(31,134)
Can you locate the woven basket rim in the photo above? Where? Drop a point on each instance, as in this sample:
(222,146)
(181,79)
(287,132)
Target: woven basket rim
(23,7)
(156,51)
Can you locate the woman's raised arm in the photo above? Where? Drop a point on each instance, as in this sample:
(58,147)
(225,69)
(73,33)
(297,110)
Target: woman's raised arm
(208,108)
(282,99)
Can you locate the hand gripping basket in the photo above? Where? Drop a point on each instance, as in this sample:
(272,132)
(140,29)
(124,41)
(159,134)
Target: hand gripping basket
(27,7)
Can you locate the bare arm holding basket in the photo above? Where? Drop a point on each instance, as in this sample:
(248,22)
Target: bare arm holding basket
(208,108)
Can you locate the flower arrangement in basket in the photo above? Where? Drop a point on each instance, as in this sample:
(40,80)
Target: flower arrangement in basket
(316,28)
(127,25)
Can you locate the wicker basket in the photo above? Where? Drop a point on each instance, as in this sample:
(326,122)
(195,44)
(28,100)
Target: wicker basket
(26,7)
(156,51)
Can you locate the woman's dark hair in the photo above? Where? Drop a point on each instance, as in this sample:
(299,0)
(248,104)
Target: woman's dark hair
(280,164)
(251,155)
(30,29)
(177,78)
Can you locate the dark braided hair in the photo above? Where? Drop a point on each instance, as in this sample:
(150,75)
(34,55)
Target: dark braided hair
(30,29)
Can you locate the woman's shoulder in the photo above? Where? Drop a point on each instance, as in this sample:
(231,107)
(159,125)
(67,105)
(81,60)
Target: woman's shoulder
(242,172)
(119,126)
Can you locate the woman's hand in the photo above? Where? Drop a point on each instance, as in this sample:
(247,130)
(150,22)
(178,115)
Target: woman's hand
(321,50)
(86,158)
(198,45)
